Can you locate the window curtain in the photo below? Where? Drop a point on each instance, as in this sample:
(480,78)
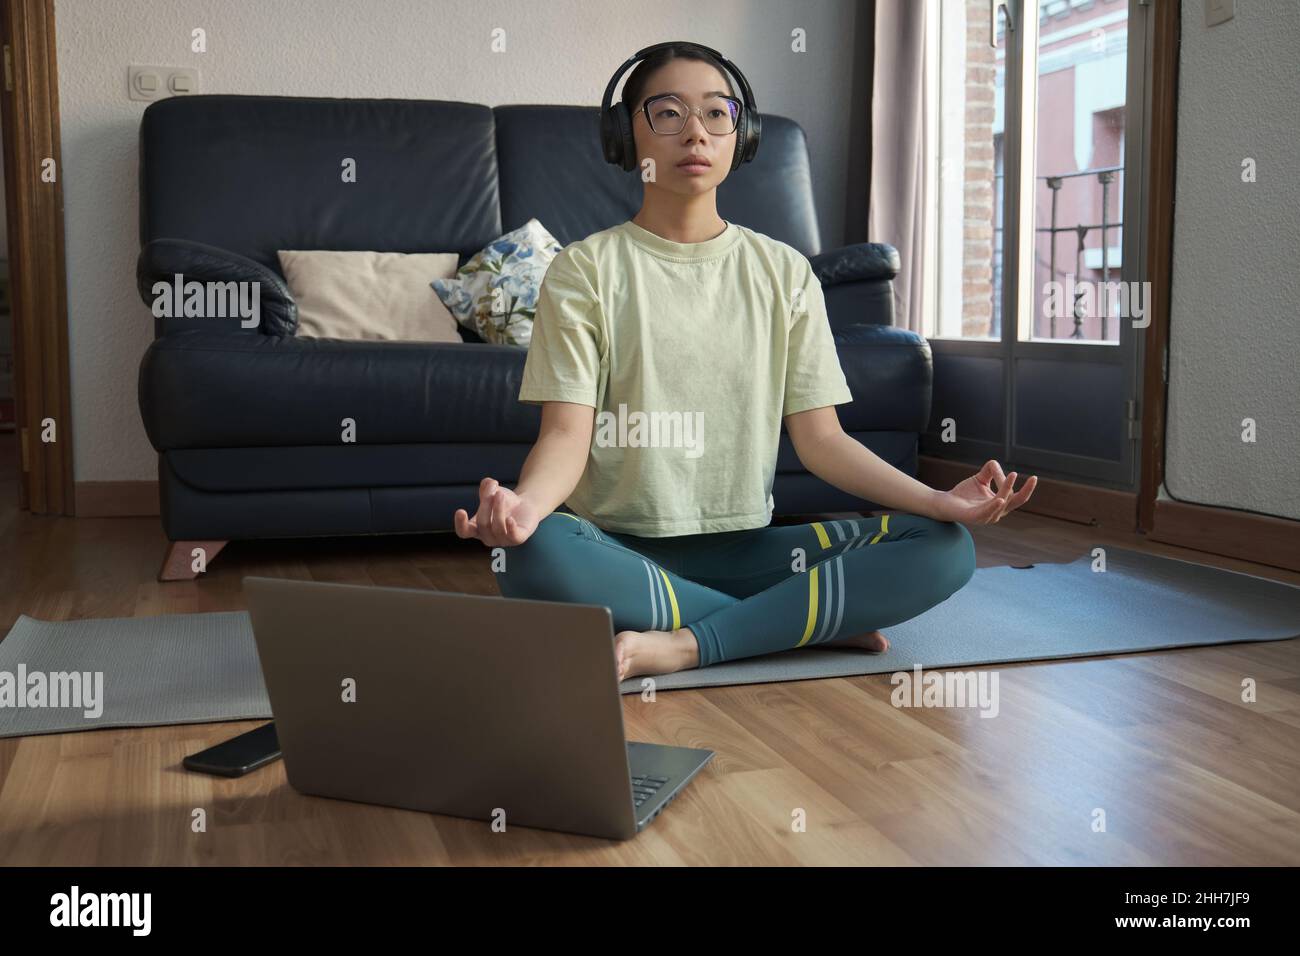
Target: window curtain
(898,202)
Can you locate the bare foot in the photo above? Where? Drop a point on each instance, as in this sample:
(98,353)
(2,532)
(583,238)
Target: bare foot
(655,652)
(875,641)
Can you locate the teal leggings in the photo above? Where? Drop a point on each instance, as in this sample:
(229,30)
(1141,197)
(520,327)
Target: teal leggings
(745,593)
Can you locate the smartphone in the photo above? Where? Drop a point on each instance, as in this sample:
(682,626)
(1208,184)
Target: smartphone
(239,755)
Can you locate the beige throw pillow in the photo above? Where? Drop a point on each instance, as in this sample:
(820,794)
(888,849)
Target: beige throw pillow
(370,295)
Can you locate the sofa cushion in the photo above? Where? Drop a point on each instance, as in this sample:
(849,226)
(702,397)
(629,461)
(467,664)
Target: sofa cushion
(224,470)
(552,167)
(370,295)
(495,293)
(255,174)
(347,466)
(202,389)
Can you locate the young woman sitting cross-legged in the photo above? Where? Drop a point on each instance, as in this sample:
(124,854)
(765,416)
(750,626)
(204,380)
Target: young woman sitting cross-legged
(666,353)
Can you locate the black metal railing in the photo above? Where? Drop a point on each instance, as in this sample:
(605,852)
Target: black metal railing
(1106,176)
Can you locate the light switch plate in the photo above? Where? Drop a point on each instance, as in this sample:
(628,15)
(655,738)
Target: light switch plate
(159,82)
(1219,11)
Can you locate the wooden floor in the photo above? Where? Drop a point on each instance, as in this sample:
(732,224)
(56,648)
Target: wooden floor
(1183,770)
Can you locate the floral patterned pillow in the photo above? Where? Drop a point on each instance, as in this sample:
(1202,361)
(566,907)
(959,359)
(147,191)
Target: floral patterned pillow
(495,293)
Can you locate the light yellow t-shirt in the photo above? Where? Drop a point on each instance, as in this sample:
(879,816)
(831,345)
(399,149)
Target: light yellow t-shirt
(691,354)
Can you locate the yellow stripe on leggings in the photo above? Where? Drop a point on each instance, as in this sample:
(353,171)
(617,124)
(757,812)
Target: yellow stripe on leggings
(677,617)
(812,606)
(884,529)
(822,536)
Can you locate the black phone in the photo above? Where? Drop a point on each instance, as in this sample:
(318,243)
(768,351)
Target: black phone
(239,755)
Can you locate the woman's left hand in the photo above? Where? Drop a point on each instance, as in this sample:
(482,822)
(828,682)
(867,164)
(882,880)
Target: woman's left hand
(975,502)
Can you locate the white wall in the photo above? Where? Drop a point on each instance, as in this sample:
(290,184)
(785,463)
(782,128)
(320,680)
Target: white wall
(558,51)
(1235,308)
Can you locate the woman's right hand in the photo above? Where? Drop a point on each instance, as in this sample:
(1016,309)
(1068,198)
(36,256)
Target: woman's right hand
(504,519)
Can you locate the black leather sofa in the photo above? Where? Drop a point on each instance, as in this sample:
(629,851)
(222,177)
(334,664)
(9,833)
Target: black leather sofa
(248,422)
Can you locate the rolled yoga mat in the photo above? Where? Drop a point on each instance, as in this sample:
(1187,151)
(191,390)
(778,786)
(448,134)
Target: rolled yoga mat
(199,668)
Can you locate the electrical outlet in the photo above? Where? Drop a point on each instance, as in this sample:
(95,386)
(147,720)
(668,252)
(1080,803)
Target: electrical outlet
(159,82)
(1219,11)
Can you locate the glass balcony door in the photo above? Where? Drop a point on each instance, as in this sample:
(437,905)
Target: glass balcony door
(1033,308)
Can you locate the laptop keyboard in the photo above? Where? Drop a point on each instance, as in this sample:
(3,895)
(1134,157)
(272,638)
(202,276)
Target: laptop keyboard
(644,787)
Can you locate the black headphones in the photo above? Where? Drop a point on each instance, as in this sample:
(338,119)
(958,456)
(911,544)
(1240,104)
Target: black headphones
(616,121)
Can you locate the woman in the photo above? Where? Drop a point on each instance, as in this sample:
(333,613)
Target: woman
(666,353)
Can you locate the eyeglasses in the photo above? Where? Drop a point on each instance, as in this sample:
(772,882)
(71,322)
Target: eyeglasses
(667,114)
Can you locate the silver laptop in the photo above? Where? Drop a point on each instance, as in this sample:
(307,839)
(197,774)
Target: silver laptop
(484,707)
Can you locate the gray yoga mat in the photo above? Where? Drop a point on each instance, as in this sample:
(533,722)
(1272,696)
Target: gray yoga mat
(166,669)
(199,668)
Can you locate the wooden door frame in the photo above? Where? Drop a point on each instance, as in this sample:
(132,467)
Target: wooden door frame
(1166,40)
(37,272)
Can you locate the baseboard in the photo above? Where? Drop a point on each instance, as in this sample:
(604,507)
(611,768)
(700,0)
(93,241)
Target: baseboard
(1262,539)
(116,499)
(1067,500)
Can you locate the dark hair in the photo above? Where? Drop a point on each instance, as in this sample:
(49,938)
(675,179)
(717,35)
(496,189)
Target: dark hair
(634,87)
